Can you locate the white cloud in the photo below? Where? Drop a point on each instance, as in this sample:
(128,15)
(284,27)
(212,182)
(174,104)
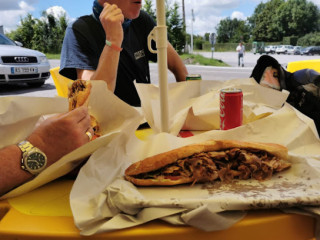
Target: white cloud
(56,11)
(11,13)
(24,6)
(203,25)
(207,13)
(316,2)
(238,15)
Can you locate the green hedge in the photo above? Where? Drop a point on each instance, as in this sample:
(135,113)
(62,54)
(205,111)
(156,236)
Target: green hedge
(222,47)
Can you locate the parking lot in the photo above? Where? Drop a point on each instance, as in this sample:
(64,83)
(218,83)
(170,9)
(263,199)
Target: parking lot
(250,59)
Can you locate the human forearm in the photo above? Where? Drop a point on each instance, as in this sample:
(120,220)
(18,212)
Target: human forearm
(55,137)
(180,72)
(111,19)
(108,67)
(176,65)
(11,173)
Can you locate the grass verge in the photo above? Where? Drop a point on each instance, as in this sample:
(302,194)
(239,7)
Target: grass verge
(197,59)
(53,55)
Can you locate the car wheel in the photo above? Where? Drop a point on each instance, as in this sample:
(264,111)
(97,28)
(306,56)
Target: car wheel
(36,84)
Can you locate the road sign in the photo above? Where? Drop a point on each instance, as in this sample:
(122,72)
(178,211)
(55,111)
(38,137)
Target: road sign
(212,38)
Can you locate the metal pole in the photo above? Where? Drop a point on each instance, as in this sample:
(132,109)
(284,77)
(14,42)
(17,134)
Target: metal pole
(184,26)
(192,31)
(162,45)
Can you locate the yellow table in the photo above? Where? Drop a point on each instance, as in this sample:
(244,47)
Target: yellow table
(298,65)
(45,214)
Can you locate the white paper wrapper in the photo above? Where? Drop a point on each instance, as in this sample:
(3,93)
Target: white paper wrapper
(110,203)
(19,116)
(195,105)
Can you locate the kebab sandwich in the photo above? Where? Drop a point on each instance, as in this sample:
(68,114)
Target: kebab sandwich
(212,160)
(78,95)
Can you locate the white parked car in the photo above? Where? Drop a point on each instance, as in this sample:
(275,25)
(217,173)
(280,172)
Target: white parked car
(294,50)
(267,49)
(283,49)
(270,49)
(18,64)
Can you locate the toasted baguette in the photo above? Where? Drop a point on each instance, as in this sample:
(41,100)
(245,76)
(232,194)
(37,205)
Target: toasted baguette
(163,159)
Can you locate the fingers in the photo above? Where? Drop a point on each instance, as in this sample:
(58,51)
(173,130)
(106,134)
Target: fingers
(89,134)
(84,123)
(77,119)
(112,12)
(78,114)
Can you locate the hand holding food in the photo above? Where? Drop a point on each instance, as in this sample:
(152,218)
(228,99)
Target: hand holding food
(78,96)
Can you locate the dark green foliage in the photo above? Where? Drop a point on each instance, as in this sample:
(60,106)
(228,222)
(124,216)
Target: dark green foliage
(45,34)
(311,39)
(232,30)
(176,32)
(276,19)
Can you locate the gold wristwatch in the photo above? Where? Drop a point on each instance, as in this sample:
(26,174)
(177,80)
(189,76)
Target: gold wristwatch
(33,159)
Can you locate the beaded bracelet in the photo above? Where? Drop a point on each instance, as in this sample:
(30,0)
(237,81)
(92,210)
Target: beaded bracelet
(115,47)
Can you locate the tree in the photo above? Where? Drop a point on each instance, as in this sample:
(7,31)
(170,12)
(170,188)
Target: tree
(311,39)
(25,32)
(176,32)
(276,19)
(45,34)
(232,30)
(265,25)
(149,9)
(298,17)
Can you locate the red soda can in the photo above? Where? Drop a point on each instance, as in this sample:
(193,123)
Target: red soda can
(231,108)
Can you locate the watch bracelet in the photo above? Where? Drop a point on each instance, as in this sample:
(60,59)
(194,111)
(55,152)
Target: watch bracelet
(23,148)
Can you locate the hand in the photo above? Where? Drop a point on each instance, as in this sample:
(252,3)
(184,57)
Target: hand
(61,134)
(111,19)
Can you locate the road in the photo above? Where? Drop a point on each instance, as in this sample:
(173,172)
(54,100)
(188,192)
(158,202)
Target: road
(207,73)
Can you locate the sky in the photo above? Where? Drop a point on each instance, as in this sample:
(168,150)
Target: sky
(207,13)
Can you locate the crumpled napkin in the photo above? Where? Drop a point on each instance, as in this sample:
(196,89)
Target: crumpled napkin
(195,105)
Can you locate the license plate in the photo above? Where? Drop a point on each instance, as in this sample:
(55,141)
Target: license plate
(23,70)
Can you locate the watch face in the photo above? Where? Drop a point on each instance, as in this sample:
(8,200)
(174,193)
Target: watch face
(36,161)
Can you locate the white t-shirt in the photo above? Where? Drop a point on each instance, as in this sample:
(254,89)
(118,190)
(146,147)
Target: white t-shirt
(240,49)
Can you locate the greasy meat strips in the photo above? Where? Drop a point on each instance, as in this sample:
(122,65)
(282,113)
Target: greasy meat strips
(224,165)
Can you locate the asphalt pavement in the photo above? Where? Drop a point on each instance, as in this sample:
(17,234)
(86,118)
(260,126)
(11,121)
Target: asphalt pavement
(207,72)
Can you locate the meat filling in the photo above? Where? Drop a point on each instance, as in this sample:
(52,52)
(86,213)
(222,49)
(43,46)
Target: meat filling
(224,165)
(76,87)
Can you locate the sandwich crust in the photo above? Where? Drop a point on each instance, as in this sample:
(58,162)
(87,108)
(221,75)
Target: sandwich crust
(157,182)
(160,160)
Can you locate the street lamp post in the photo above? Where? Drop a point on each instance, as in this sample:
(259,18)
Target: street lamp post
(212,40)
(192,20)
(184,26)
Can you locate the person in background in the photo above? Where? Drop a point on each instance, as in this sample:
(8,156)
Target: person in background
(52,139)
(241,50)
(111,45)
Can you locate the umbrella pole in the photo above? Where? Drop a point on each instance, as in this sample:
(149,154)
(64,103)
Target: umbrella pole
(162,45)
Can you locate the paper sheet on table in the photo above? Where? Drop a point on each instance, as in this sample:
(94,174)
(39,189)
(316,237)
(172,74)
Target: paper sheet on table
(195,105)
(20,115)
(109,202)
